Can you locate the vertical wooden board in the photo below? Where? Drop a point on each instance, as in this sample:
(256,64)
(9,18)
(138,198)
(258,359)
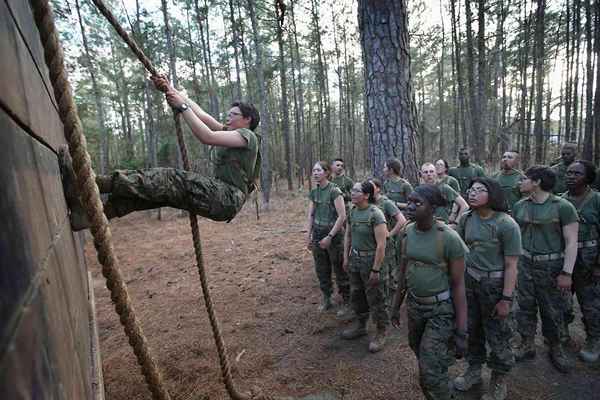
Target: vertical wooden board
(25,88)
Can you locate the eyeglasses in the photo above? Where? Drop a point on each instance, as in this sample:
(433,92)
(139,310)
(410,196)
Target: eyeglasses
(477,191)
(233,114)
(416,203)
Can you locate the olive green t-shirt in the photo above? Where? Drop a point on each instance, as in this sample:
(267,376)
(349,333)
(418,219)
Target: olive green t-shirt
(510,186)
(443,213)
(324,200)
(560,170)
(489,240)
(389,210)
(235,165)
(362,227)
(397,189)
(589,215)
(428,260)
(464,175)
(541,224)
(452,182)
(345,184)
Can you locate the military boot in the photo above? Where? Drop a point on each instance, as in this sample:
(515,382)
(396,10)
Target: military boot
(591,350)
(326,303)
(526,350)
(470,378)
(497,390)
(356,330)
(560,359)
(77,216)
(378,342)
(345,313)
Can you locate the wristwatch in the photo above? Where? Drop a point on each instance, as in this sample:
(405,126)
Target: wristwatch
(183,107)
(507,298)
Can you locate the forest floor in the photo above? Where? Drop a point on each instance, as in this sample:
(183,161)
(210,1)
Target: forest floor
(266,295)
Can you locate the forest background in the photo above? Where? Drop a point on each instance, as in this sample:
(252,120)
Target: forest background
(364,80)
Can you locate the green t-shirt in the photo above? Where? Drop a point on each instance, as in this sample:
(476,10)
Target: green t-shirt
(235,165)
(389,210)
(324,200)
(397,189)
(588,211)
(443,213)
(489,240)
(452,182)
(428,255)
(560,170)
(510,186)
(345,184)
(541,224)
(464,175)
(362,227)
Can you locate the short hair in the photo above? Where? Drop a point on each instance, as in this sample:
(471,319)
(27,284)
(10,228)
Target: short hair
(395,165)
(432,194)
(248,111)
(338,159)
(326,167)
(590,170)
(570,145)
(427,164)
(368,188)
(496,198)
(464,149)
(544,174)
(446,165)
(376,182)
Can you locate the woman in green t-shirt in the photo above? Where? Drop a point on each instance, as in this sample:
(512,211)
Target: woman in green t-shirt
(494,241)
(432,273)
(364,253)
(442,167)
(395,188)
(326,216)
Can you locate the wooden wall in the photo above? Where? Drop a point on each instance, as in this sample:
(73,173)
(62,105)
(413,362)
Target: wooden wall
(45,334)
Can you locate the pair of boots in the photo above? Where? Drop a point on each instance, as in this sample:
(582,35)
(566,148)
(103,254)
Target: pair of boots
(345,312)
(558,355)
(497,390)
(359,329)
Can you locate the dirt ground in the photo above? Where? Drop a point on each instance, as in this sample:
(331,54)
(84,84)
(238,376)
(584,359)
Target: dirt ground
(266,297)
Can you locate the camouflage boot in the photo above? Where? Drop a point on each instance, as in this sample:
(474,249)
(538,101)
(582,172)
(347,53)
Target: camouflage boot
(470,378)
(526,350)
(378,342)
(497,390)
(358,329)
(560,359)
(77,216)
(326,303)
(591,350)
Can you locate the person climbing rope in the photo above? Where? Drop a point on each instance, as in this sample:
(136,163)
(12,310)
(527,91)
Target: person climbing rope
(220,198)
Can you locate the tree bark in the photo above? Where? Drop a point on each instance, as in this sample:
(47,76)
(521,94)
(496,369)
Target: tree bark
(539,75)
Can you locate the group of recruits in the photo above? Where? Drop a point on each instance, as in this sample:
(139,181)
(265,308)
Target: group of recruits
(520,244)
(543,224)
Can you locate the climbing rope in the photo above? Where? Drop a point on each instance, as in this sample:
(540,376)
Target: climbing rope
(99,225)
(90,196)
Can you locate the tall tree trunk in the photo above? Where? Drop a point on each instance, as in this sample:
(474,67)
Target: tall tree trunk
(100,115)
(236,44)
(482,79)
(588,148)
(391,112)
(539,75)
(459,75)
(577,47)
(597,91)
(473,103)
(202,20)
(285,119)
(265,117)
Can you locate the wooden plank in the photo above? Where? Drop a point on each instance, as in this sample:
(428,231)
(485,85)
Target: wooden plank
(97,375)
(24,89)
(41,270)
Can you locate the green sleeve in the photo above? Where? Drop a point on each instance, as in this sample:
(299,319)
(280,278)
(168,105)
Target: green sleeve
(454,248)
(335,192)
(407,189)
(567,213)
(510,237)
(460,228)
(450,194)
(248,135)
(480,171)
(390,208)
(378,217)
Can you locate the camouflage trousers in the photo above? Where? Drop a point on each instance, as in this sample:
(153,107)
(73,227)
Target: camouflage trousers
(430,330)
(328,261)
(586,287)
(536,289)
(390,263)
(168,187)
(482,298)
(367,299)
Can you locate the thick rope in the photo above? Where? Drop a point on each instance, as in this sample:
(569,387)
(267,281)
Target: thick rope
(91,198)
(214,322)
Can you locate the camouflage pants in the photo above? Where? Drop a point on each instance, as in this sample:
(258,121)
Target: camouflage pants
(430,329)
(587,289)
(330,260)
(367,299)
(482,297)
(536,289)
(390,263)
(168,187)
